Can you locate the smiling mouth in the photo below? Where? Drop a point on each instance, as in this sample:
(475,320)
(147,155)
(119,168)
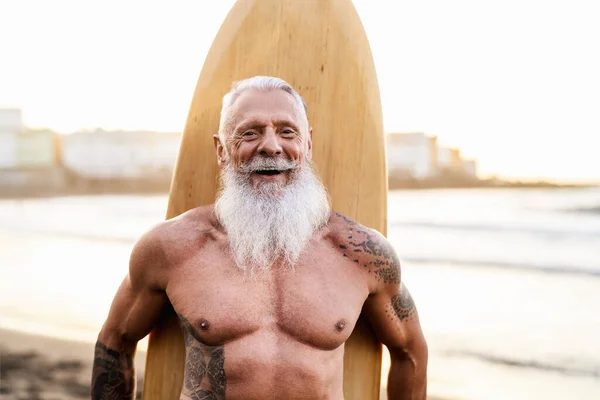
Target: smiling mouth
(269,172)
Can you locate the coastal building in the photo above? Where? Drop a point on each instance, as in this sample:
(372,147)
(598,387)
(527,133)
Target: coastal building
(449,159)
(412,155)
(10,126)
(24,148)
(120,154)
(36,149)
(469,166)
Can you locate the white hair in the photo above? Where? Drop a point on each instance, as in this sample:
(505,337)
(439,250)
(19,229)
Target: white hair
(261,83)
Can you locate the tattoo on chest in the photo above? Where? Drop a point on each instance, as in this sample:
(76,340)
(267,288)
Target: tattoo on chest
(403,304)
(204,367)
(383,259)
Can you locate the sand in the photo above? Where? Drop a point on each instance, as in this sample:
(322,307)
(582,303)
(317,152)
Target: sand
(36,367)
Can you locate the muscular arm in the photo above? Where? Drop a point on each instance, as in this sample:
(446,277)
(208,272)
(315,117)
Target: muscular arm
(393,315)
(135,309)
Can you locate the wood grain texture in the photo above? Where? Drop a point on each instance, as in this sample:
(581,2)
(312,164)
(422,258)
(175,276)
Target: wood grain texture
(321,49)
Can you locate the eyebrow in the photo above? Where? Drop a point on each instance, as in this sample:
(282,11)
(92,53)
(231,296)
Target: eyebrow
(260,124)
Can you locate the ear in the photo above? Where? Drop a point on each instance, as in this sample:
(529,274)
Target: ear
(309,144)
(219,148)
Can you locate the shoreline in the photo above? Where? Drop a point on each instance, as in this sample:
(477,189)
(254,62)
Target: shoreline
(59,181)
(10,192)
(408,184)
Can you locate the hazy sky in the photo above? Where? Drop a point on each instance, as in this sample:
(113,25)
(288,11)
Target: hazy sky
(512,83)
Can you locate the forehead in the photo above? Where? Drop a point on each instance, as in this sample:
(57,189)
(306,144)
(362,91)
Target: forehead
(266,106)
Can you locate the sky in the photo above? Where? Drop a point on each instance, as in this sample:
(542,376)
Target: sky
(512,83)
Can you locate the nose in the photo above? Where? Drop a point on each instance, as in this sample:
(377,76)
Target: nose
(269,145)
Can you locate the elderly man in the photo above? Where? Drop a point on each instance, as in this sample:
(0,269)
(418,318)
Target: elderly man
(268,282)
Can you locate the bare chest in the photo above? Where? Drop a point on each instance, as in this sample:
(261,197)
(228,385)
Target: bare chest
(316,303)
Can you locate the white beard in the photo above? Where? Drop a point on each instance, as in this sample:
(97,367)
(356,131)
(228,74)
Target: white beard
(272,221)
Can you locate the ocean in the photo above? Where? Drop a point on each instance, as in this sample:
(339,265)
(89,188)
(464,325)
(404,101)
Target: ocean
(506,281)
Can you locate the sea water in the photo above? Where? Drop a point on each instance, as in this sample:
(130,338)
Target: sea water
(506,281)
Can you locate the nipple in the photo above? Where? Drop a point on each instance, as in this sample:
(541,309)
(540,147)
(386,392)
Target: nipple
(340,325)
(203,324)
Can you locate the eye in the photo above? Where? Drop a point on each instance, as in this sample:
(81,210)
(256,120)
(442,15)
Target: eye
(249,133)
(288,132)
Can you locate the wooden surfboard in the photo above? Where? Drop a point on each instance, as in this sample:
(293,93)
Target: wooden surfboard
(321,49)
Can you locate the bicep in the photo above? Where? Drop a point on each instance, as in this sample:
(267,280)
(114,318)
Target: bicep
(393,315)
(132,314)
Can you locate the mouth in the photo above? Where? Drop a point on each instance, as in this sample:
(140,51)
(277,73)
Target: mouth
(268,172)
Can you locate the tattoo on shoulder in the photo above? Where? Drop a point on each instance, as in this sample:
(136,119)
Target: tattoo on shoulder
(346,219)
(403,304)
(383,259)
(112,374)
(204,367)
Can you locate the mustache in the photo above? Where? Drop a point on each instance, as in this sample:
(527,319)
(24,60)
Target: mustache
(268,163)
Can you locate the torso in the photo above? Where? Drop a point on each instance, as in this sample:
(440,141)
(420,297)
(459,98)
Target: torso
(273,335)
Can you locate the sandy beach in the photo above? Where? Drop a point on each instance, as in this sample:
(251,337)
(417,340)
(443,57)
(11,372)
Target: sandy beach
(36,367)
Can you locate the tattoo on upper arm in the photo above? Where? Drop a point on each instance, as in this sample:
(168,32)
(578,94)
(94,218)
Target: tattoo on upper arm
(112,375)
(403,304)
(204,367)
(383,260)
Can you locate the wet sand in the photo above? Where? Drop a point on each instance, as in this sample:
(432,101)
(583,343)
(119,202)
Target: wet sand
(42,368)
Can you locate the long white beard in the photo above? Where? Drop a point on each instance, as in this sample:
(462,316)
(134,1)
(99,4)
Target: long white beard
(272,221)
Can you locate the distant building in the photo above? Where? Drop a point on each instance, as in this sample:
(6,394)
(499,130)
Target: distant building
(470,167)
(37,148)
(23,148)
(413,155)
(10,126)
(449,159)
(121,154)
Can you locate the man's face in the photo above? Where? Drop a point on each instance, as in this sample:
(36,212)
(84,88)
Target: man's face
(271,200)
(269,125)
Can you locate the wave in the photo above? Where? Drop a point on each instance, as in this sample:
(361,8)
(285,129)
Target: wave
(584,210)
(74,234)
(554,269)
(489,228)
(592,371)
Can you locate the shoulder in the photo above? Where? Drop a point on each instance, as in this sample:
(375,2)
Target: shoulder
(168,243)
(367,248)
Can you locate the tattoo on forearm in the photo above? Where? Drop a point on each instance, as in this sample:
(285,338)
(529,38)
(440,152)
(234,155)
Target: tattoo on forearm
(383,261)
(204,367)
(403,304)
(113,375)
